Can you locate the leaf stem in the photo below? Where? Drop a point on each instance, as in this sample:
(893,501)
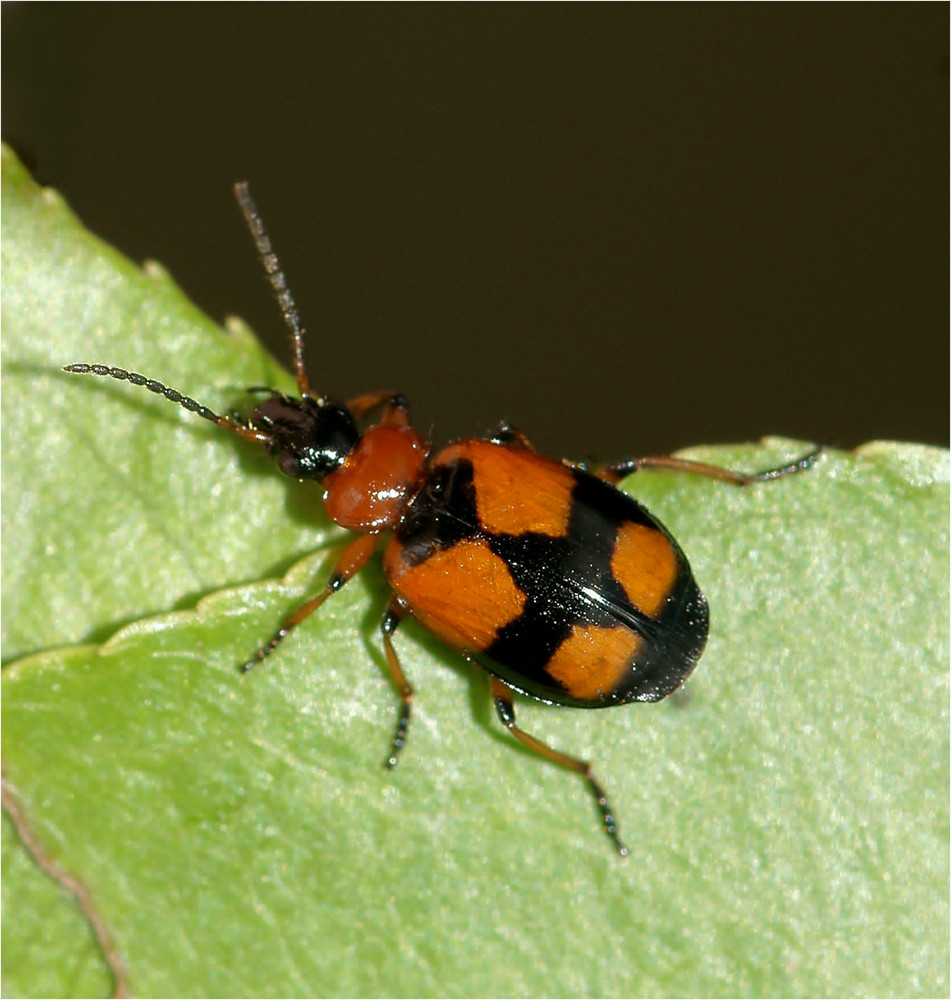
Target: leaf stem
(73,885)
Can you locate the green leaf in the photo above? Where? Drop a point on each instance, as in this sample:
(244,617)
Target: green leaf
(82,457)
(787,816)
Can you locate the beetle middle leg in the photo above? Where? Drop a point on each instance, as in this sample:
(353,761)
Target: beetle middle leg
(353,558)
(504,705)
(395,407)
(394,615)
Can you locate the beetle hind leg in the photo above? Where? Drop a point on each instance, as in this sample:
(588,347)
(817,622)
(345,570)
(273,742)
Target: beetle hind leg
(615,473)
(504,705)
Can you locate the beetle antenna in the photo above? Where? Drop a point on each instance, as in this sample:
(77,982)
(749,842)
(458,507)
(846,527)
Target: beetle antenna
(186,402)
(278,282)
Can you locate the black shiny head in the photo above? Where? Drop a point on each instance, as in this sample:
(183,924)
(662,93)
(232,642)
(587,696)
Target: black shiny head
(309,438)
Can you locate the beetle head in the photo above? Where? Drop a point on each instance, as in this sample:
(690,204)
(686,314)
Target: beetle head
(308,437)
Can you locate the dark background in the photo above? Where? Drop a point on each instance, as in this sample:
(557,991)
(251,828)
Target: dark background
(623,227)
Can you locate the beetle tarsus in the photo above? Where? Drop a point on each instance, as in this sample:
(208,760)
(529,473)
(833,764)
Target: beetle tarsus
(607,815)
(265,651)
(399,740)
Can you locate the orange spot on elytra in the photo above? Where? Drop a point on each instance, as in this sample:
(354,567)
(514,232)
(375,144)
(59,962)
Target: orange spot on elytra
(645,565)
(517,491)
(463,594)
(592,661)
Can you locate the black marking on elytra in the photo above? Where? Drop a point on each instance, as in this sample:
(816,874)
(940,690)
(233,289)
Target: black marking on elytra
(559,576)
(567,581)
(441,514)
(553,572)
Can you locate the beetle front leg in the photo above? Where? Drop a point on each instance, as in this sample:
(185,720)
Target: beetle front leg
(391,620)
(395,407)
(353,558)
(504,705)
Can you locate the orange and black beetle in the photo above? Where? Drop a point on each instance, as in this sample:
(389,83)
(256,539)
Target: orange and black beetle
(556,583)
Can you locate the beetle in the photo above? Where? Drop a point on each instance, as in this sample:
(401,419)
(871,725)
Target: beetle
(557,584)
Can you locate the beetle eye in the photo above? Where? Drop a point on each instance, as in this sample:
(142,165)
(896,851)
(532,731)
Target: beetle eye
(290,464)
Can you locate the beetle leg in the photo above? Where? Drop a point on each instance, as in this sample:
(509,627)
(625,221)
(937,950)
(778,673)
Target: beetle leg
(504,705)
(391,620)
(395,413)
(509,436)
(353,558)
(615,473)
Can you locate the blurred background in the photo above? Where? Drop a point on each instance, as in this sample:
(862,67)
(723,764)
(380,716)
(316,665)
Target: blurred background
(624,228)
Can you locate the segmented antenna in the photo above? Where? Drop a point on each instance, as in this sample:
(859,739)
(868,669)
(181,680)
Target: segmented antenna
(278,282)
(186,402)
